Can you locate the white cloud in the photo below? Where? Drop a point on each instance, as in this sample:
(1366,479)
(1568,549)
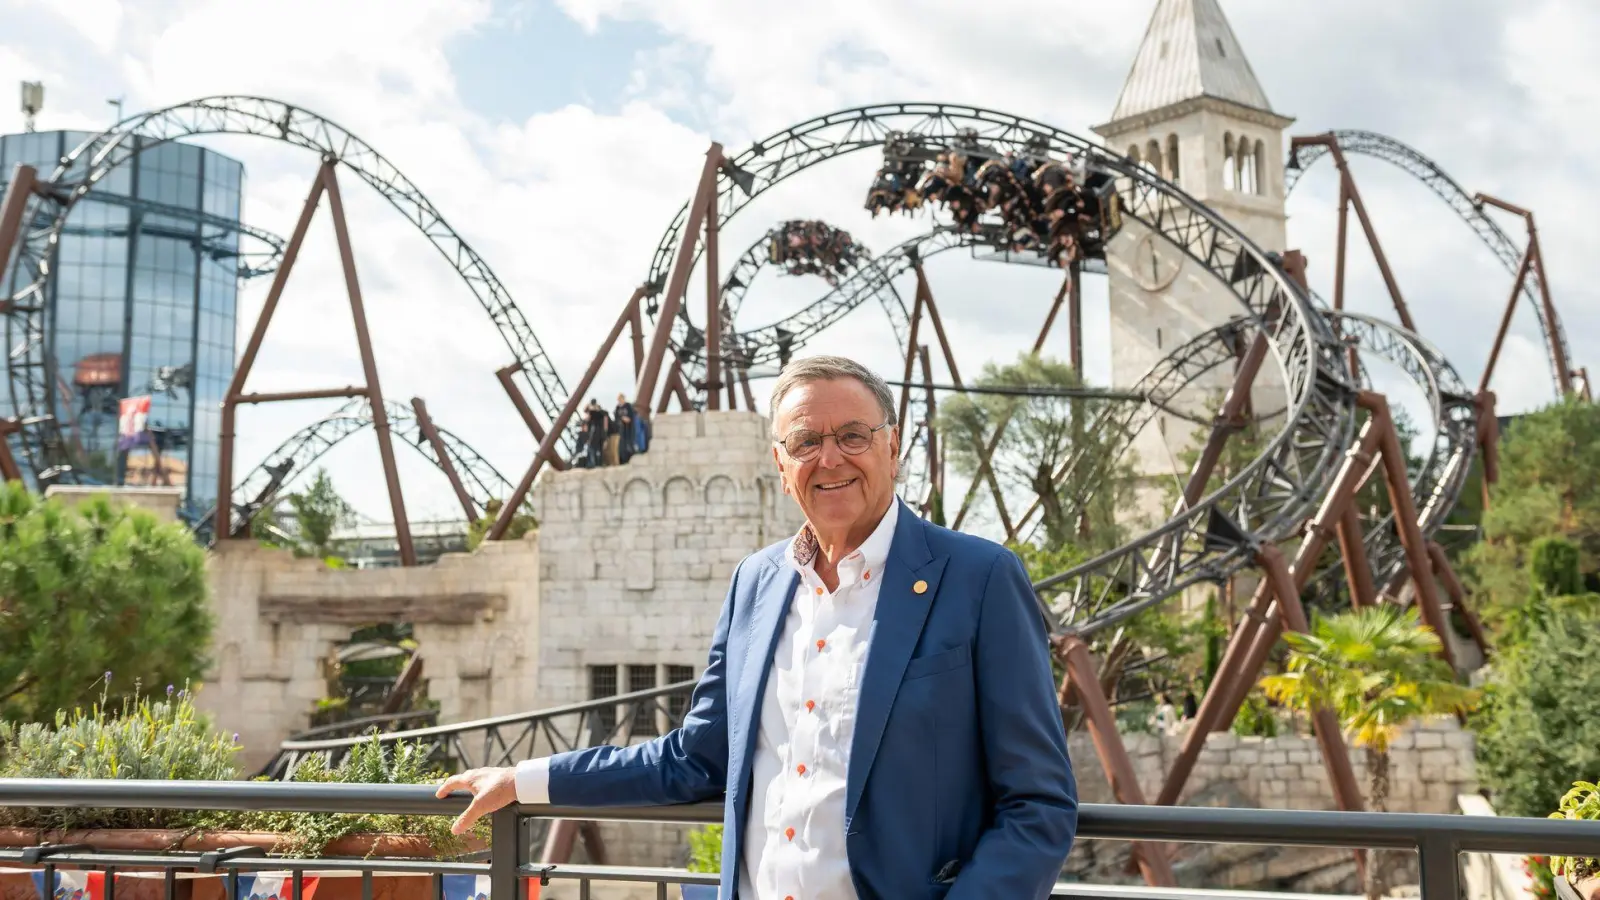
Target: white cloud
(568,205)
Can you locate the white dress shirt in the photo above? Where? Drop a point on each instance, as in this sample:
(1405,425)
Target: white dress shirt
(794,843)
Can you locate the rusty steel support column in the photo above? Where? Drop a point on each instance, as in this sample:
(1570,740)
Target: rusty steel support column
(1351,195)
(715,372)
(504,374)
(547,447)
(935,469)
(1262,624)
(1341,244)
(222,519)
(425,422)
(1075,316)
(1335,755)
(744,384)
(1558,353)
(985,460)
(729,382)
(927,303)
(1227,421)
(369,367)
(636,327)
(1405,516)
(23,184)
(700,207)
(1085,684)
(9,470)
(911,360)
(1357,569)
(1458,595)
(1505,319)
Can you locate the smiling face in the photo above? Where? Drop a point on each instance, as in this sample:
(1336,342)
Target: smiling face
(843,496)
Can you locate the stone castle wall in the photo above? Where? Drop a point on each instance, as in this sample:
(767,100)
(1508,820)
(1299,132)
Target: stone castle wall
(279,619)
(636,562)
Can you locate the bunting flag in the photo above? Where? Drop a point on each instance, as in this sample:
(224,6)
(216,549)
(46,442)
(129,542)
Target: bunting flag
(476,887)
(272,886)
(71,885)
(699,891)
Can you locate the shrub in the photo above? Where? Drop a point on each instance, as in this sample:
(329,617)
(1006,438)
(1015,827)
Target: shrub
(1581,802)
(167,738)
(92,589)
(1539,728)
(705,849)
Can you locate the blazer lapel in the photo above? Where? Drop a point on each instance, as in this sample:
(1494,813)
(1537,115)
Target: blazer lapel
(896,628)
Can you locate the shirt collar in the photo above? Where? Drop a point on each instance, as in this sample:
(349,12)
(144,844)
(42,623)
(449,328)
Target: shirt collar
(871,555)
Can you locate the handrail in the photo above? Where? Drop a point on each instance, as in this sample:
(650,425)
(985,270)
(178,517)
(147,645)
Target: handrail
(1438,839)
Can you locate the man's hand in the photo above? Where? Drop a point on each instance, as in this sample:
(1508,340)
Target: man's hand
(491,789)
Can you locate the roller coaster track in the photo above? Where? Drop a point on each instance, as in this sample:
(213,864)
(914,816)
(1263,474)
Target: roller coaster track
(31,368)
(1425,170)
(266,482)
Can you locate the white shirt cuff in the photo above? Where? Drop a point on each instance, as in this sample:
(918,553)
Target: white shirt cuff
(533,781)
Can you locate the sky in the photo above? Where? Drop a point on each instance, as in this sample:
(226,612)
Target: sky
(560,138)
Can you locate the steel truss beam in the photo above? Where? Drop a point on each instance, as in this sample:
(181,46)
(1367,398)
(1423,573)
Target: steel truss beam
(32,371)
(261,487)
(1305,152)
(326,182)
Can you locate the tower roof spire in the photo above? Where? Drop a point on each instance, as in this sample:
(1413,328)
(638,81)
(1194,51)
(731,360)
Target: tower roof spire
(1188,51)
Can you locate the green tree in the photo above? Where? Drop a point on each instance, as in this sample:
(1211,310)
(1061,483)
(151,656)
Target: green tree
(92,592)
(319,511)
(1377,669)
(1539,726)
(521,524)
(1041,434)
(1549,487)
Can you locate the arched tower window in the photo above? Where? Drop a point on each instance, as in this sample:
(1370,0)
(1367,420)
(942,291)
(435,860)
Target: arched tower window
(1245,159)
(1172,158)
(1261,167)
(1230,163)
(1152,153)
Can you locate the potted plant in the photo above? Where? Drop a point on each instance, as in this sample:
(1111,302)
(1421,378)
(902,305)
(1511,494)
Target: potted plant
(168,739)
(1578,876)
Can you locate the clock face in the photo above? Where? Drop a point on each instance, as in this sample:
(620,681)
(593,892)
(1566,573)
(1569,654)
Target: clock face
(1155,264)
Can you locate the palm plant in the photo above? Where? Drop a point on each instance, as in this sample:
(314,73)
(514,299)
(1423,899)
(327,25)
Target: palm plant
(1377,669)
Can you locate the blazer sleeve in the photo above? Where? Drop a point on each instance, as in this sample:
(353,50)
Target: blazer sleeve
(686,765)
(1030,775)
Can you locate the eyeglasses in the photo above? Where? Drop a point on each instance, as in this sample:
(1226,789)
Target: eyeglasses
(854,439)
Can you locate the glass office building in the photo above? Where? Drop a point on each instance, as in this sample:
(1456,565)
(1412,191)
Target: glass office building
(142,305)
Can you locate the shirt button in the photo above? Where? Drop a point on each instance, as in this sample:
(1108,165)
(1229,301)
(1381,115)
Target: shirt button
(801,768)
(820,644)
(819,592)
(866,576)
(810,705)
(789,833)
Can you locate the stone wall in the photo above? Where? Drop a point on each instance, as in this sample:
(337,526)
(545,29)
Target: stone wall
(279,618)
(636,562)
(1430,765)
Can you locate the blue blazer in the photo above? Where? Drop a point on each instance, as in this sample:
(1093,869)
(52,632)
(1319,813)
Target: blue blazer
(958,786)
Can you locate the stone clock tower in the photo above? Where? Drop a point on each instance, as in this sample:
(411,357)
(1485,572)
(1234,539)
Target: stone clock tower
(1193,111)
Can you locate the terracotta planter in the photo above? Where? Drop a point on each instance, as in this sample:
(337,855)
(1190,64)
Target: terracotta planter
(330,886)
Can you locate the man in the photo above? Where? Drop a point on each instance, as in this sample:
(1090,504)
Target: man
(878,705)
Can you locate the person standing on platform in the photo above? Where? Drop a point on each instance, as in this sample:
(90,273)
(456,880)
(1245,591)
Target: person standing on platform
(877,713)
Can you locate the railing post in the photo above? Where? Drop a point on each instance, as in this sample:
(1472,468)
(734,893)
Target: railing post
(1439,862)
(506,853)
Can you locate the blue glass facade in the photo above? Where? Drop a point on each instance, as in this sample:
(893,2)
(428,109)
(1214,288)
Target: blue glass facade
(143,304)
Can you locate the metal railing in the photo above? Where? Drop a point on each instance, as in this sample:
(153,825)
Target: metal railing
(1439,840)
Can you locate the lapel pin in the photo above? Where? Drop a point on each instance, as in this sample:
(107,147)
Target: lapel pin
(920,587)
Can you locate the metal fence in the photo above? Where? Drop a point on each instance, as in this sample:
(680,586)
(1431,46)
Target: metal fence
(1439,840)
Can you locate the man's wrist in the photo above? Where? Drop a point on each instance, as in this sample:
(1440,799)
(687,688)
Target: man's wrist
(533,781)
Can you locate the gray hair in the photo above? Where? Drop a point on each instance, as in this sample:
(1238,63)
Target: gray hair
(830,368)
